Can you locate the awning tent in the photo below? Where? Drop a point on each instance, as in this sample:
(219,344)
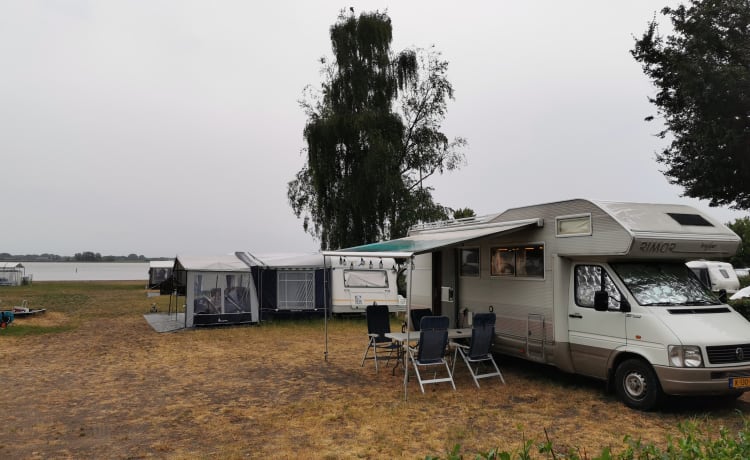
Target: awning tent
(159,271)
(11,273)
(289,283)
(218,290)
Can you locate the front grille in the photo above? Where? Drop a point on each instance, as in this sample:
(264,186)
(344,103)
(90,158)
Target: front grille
(724,354)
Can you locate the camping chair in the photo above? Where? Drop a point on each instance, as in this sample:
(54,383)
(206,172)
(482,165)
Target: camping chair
(430,351)
(416,316)
(378,324)
(479,352)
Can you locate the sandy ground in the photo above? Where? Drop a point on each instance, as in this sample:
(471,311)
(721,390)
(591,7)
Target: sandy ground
(114,388)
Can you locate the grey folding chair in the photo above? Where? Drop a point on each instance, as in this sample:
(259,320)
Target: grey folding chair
(478,352)
(378,324)
(430,351)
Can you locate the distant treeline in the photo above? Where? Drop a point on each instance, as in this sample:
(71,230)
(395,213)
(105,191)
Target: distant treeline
(87,256)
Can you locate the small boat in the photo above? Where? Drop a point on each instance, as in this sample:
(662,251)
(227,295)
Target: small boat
(20,312)
(24,310)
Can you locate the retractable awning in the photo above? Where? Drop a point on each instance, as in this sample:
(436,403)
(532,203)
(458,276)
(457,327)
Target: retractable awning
(433,239)
(424,240)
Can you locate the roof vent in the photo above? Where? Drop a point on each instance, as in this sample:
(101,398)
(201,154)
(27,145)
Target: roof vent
(690,219)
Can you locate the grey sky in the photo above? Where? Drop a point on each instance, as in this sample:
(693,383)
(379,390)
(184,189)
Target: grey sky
(168,127)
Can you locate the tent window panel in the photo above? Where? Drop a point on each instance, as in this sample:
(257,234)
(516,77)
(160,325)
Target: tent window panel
(365,278)
(237,294)
(296,290)
(207,294)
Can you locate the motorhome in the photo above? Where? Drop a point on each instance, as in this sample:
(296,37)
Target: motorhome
(594,288)
(717,276)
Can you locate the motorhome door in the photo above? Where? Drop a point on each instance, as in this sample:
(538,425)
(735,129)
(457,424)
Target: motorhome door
(593,334)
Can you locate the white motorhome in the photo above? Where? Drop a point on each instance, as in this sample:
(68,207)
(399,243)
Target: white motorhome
(357,282)
(718,276)
(594,288)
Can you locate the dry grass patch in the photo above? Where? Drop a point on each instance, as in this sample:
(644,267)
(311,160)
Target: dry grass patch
(111,387)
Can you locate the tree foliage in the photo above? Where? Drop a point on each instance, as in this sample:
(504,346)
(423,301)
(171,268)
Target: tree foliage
(373,137)
(702,75)
(742,228)
(463,213)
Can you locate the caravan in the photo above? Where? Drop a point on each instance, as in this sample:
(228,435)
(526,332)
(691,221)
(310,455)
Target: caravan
(717,276)
(357,282)
(594,288)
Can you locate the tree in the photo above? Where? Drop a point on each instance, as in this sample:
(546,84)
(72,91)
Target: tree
(363,180)
(742,228)
(702,75)
(463,213)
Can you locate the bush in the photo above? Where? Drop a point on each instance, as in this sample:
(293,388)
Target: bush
(693,443)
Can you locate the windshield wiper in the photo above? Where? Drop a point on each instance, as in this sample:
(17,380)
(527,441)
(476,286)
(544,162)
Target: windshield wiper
(701,302)
(661,304)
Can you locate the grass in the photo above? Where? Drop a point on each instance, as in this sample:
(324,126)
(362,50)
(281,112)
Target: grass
(91,379)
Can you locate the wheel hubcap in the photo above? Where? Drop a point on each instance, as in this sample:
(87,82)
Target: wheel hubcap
(635,385)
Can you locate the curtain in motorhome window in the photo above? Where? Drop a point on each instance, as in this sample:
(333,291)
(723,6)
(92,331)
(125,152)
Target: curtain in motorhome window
(592,278)
(525,261)
(296,290)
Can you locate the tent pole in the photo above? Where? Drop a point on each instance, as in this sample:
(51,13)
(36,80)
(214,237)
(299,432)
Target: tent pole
(325,307)
(410,261)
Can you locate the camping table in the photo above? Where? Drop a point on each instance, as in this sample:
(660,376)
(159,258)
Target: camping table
(412,336)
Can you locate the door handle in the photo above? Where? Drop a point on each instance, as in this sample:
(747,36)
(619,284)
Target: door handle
(575,315)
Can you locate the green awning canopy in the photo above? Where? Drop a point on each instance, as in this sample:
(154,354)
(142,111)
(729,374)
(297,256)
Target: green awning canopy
(433,239)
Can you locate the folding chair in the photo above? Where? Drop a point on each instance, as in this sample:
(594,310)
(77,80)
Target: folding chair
(478,352)
(416,316)
(378,324)
(430,351)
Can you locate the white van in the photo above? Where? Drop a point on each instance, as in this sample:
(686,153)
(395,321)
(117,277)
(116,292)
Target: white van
(594,288)
(718,276)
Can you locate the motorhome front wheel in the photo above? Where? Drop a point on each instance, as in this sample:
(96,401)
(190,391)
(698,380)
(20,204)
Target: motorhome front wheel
(637,385)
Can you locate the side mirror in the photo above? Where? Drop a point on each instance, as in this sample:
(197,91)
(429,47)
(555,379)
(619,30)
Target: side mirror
(722,295)
(601,301)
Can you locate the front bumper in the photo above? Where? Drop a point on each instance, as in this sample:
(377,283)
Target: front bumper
(700,381)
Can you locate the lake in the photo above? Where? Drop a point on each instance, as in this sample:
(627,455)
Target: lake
(86,271)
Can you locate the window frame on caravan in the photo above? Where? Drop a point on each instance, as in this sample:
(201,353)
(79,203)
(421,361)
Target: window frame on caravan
(579,220)
(514,249)
(348,281)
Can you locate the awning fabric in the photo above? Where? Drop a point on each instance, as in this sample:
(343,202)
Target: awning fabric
(433,239)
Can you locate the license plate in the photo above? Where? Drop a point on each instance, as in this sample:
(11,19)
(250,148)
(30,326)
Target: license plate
(739,382)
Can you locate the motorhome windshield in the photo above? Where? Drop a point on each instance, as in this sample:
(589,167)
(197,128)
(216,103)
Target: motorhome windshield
(663,284)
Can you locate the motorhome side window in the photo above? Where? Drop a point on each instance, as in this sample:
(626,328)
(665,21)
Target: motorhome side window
(592,278)
(365,278)
(470,262)
(517,261)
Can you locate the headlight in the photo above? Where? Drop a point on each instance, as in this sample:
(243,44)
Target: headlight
(685,356)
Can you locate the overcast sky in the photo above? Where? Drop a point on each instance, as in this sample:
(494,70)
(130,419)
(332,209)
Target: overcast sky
(167,127)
